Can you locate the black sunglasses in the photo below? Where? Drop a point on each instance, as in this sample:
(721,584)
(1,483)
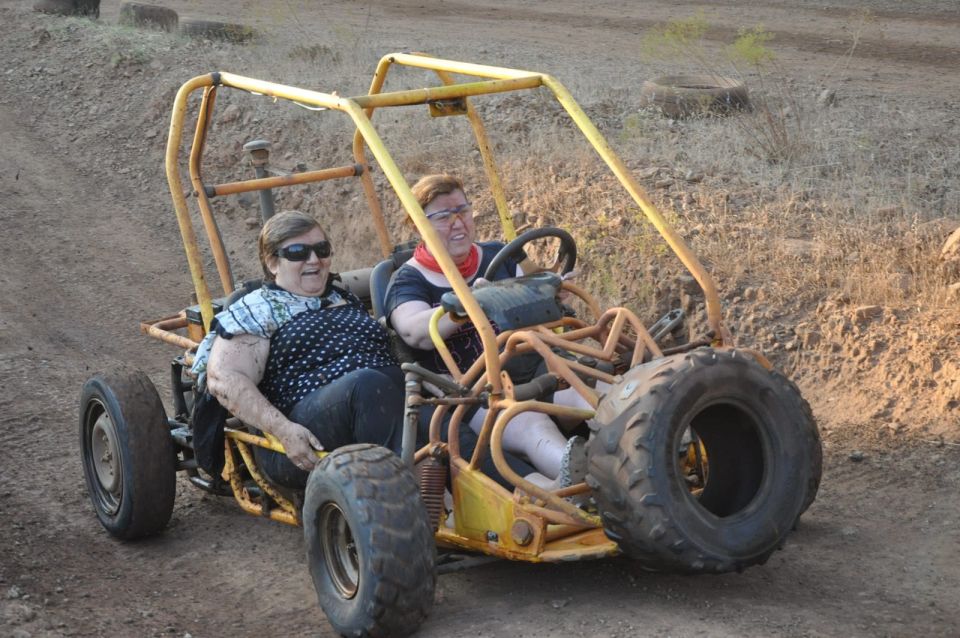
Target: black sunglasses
(301,252)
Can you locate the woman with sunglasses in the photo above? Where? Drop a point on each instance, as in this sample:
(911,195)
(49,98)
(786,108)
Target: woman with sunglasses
(302,359)
(414,294)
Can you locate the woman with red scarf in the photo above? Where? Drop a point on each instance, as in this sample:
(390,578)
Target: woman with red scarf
(415,292)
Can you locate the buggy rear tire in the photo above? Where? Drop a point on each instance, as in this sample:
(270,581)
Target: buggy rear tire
(369,547)
(762,470)
(129,460)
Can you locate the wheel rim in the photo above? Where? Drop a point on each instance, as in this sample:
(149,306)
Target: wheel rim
(104,459)
(339,550)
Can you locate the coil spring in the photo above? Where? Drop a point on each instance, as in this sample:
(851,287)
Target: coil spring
(432,476)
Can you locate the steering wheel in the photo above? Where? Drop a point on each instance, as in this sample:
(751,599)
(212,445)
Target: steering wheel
(567,255)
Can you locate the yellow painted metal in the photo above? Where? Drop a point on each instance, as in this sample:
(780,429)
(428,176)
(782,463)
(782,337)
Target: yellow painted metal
(306,177)
(194,260)
(231,473)
(267,441)
(489,165)
(482,506)
(206,215)
(423,96)
(496,452)
(432,239)
(452,66)
(284,503)
(484,514)
(636,191)
(162,329)
(438,342)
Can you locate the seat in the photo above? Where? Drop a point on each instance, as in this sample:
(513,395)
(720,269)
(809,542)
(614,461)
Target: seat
(380,278)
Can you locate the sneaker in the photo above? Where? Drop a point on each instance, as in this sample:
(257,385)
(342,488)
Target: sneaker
(573,466)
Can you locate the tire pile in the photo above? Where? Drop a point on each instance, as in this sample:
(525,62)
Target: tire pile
(150,16)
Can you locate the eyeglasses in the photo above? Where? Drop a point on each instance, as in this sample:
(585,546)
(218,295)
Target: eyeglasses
(301,252)
(446,215)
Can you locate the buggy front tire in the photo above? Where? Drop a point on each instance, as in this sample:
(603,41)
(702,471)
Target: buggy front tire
(758,461)
(129,461)
(370,549)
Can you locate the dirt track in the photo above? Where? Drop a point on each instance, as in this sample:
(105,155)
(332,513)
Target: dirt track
(88,253)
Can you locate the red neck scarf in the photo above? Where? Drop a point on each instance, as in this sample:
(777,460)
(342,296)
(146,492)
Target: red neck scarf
(467,268)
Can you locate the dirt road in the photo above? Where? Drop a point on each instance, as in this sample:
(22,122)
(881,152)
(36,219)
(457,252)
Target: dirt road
(90,248)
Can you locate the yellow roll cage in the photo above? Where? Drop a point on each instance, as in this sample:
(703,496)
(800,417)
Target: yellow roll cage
(550,528)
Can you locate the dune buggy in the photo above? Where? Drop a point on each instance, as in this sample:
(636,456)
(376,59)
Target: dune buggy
(701,457)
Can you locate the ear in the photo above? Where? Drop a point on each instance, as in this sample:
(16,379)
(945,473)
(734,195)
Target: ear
(273,264)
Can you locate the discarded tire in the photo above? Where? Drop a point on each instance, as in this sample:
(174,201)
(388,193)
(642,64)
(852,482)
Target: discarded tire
(212,30)
(687,95)
(69,7)
(150,16)
(757,451)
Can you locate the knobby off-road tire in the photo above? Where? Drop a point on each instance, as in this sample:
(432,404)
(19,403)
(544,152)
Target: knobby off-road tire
(762,453)
(369,547)
(129,460)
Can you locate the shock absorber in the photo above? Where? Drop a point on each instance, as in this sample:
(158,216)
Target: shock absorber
(432,475)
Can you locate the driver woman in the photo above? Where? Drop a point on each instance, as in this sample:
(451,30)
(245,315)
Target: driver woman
(302,359)
(415,292)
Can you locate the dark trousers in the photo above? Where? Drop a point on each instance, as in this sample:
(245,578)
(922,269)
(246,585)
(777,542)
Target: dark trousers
(364,406)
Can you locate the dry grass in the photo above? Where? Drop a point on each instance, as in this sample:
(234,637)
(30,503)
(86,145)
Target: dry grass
(855,209)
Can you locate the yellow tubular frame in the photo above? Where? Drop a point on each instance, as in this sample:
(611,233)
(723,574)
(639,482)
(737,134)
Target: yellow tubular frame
(560,531)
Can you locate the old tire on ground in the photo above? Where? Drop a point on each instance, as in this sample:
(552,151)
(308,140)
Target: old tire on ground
(151,16)
(69,7)
(216,30)
(370,550)
(129,460)
(686,95)
(762,457)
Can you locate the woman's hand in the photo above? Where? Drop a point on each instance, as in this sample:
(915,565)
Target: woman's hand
(300,444)
(235,368)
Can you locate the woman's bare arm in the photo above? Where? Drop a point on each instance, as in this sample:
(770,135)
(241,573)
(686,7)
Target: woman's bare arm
(411,320)
(235,368)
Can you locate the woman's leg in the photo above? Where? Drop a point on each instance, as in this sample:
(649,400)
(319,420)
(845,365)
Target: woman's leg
(534,435)
(364,406)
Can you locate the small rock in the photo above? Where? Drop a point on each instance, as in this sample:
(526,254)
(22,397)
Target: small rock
(856,456)
(863,314)
(692,177)
(14,592)
(750,293)
(953,291)
(800,248)
(151,133)
(827,97)
(230,114)
(849,532)
(559,604)
(689,285)
(20,632)
(663,183)
(251,222)
(648,173)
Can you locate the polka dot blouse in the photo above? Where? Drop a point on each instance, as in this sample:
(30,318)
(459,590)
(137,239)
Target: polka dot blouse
(319,346)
